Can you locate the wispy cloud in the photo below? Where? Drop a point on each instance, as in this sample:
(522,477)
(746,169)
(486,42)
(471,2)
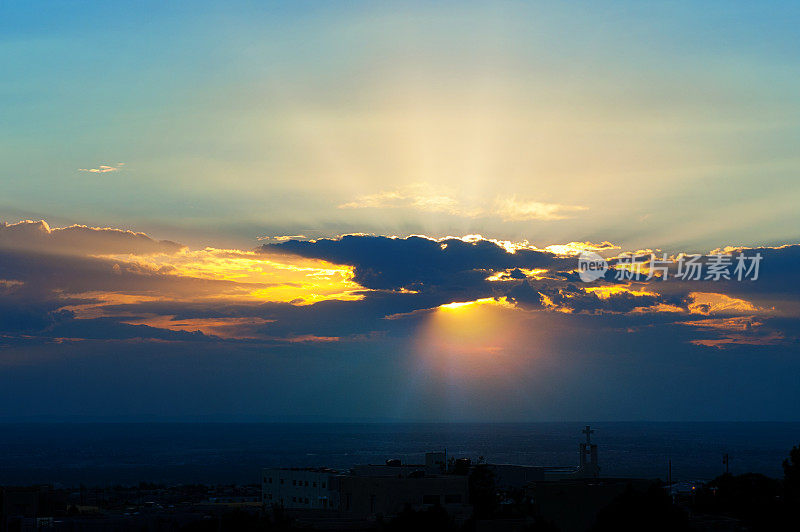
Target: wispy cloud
(102,169)
(281,238)
(419,196)
(426,198)
(512,209)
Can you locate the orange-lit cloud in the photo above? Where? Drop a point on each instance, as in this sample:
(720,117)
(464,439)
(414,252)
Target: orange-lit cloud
(606,291)
(715,303)
(257,277)
(88,273)
(306,338)
(221,327)
(773,338)
(660,307)
(456,286)
(511,274)
(738,323)
(576,248)
(282,238)
(736,330)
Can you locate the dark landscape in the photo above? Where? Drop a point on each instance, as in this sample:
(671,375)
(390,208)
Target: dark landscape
(399,265)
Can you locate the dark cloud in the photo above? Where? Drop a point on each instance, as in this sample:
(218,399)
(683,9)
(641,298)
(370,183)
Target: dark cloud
(20,315)
(458,271)
(609,348)
(417,263)
(106,328)
(80,240)
(403,276)
(42,272)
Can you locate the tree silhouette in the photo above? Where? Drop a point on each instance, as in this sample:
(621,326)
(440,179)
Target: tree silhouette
(791,476)
(634,511)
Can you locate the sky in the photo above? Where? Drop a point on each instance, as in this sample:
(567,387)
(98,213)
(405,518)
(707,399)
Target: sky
(374,210)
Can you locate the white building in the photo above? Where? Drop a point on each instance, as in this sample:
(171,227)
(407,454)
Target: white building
(299,488)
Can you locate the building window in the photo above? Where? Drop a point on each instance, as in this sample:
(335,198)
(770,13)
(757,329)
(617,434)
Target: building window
(281,481)
(306,501)
(452,498)
(270,480)
(313,484)
(323,484)
(294,499)
(306,483)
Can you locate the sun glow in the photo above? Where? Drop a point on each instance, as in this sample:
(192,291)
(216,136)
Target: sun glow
(481,339)
(484,301)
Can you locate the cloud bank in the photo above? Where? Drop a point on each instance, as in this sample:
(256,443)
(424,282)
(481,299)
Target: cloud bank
(473,309)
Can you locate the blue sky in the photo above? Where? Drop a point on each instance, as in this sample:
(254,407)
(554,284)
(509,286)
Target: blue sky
(237,120)
(224,128)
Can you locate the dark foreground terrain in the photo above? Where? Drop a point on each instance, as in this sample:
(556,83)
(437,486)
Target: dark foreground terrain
(746,502)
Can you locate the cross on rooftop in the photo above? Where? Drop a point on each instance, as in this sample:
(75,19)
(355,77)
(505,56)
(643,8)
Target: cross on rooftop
(588,433)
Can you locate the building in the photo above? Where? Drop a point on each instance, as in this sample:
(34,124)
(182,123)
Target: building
(435,464)
(517,476)
(588,467)
(509,476)
(371,490)
(298,488)
(29,508)
(388,496)
(368,490)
